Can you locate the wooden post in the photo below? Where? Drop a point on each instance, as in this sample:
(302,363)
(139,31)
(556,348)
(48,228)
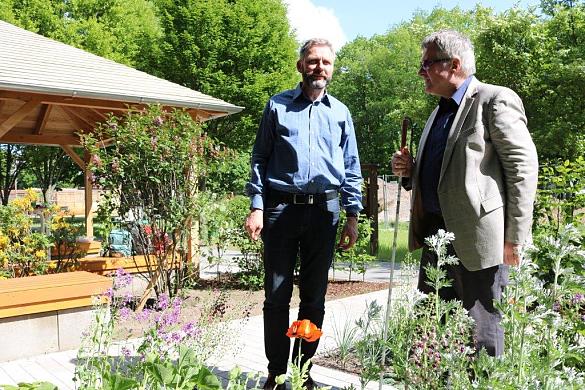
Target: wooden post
(88,187)
(370,173)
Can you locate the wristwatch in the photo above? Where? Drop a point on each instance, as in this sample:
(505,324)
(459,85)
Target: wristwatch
(354,215)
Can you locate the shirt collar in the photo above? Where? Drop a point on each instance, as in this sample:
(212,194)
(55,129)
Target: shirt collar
(460,92)
(298,94)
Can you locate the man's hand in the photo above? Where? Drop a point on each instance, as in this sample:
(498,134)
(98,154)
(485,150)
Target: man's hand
(402,163)
(254,223)
(349,234)
(512,253)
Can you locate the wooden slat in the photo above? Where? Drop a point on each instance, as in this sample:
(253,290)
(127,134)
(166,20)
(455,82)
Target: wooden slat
(70,101)
(81,122)
(43,139)
(43,118)
(74,156)
(19,115)
(37,294)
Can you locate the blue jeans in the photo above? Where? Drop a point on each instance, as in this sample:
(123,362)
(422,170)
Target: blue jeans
(291,231)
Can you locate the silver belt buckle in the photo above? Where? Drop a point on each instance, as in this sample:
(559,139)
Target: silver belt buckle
(310,199)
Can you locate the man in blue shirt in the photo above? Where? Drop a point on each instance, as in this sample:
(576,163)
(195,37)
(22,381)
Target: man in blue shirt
(304,157)
(475,175)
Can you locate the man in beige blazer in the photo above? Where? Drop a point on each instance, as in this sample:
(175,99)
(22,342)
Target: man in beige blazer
(475,174)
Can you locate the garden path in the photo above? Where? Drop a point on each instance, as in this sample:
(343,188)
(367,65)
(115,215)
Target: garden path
(58,368)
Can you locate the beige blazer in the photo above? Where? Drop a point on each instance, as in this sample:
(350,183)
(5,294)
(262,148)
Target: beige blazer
(488,178)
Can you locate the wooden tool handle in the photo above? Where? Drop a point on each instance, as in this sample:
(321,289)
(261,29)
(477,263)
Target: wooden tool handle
(405,123)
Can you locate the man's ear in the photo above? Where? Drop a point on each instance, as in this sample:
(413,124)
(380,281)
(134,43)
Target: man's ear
(300,66)
(456,64)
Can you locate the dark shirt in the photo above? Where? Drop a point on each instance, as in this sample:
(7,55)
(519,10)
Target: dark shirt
(306,147)
(434,148)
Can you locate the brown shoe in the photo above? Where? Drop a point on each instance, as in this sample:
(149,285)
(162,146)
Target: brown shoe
(270,383)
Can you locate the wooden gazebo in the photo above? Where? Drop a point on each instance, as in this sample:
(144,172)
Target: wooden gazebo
(50,91)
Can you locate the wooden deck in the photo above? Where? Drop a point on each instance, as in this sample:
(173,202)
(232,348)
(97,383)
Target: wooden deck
(247,353)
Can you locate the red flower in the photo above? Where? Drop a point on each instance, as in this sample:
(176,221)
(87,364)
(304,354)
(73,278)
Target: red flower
(305,330)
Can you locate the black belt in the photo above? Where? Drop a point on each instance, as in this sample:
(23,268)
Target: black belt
(299,198)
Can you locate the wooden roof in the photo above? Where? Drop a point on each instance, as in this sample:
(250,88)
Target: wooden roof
(49,91)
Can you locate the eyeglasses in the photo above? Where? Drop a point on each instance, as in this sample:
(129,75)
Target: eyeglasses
(426,64)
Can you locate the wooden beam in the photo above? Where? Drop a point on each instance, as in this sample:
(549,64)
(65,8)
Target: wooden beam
(43,118)
(74,156)
(43,139)
(74,112)
(19,115)
(79,123)
(100,114)
(111,105)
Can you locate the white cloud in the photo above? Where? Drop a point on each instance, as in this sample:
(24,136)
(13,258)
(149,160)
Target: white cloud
(311,21)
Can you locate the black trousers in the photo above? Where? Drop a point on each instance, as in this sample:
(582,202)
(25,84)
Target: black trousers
(306,231)
(477,290)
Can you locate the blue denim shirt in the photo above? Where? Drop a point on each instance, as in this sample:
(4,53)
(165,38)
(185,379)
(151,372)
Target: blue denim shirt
(306,147)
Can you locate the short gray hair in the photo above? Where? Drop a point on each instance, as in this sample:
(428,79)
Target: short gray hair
(314,42)
(452,43)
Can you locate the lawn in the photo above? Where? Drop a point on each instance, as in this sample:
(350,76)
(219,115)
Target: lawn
(386,238)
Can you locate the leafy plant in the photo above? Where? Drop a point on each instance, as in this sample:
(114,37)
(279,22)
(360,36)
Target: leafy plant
(358,257)
(23,252)
(152,170)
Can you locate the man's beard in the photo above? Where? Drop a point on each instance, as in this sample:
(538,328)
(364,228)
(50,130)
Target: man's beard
(315,83)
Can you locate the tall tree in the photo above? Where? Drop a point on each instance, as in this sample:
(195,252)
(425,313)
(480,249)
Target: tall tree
(50,166)
(241,51)
(377,79)
(11,163)
(542,60)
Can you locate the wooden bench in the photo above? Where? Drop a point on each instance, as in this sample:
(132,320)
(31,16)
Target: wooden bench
(107,265)
(37,294)
(47,313)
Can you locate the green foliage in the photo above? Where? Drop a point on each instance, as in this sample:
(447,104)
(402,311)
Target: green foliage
(31,386)
(152,171)
(126,31)
(377,79)
(51,167)
(558,218)
(561,195)
(543,60)
(22,251)
(221,228)
(228,173)
(358,257)
(240,51)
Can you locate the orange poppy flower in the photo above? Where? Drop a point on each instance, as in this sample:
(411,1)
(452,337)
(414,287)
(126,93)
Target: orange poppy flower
(305,330)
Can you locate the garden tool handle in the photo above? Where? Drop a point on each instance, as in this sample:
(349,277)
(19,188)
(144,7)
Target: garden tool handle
(405,123)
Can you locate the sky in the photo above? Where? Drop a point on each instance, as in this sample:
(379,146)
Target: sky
(341,21)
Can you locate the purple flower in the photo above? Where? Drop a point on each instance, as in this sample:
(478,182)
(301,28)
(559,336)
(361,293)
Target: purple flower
(122,278)
(577,299)
(158,121)
(126,352)
(125,313)
(191,330)
(163,302)
(115,165)
(556,307)
(96,160)
(109,294)
(144,315)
